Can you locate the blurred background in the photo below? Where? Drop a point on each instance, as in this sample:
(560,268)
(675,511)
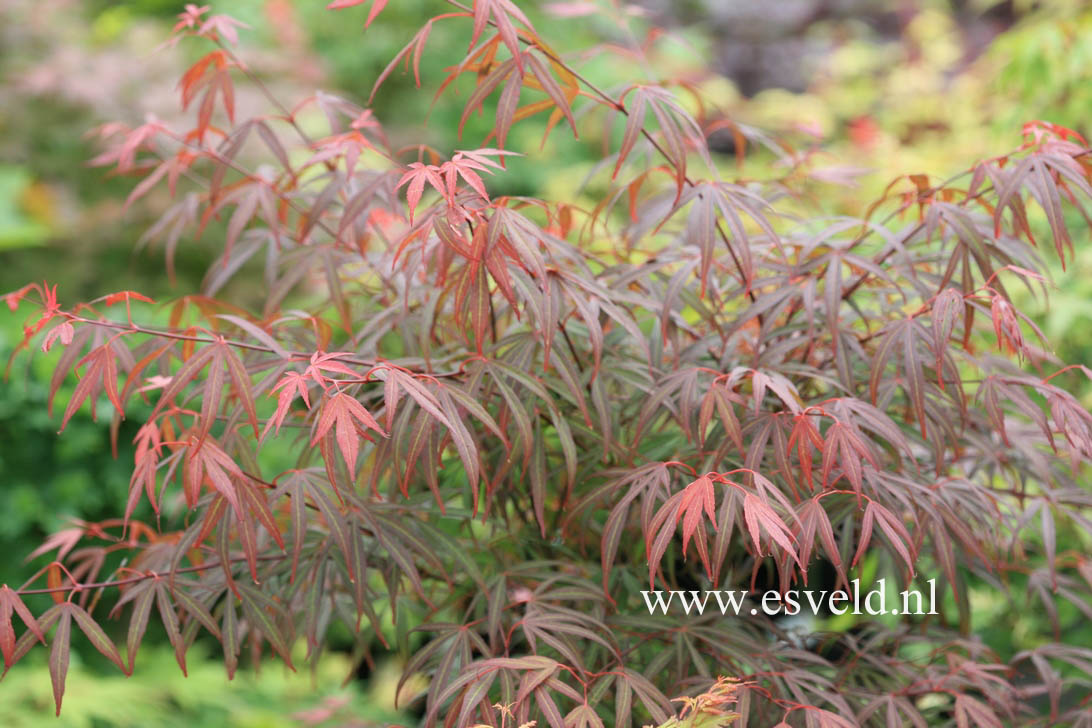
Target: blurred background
(872,88)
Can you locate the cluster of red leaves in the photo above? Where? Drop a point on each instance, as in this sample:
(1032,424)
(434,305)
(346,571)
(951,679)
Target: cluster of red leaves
(783,392)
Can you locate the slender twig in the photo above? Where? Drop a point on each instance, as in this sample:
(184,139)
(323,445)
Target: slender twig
(143,577)
(169,334)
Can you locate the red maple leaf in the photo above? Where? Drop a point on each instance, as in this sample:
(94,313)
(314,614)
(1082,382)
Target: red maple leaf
(377,8)
(292,384)
(758,517)
(416,176)
(696,498)
(343,413)
(322,361)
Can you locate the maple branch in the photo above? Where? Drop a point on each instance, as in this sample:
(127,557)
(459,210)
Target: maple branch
(288,115)
(927,194)
(253,78)
(170,334)
(621,108)
(144,576)
(232,164)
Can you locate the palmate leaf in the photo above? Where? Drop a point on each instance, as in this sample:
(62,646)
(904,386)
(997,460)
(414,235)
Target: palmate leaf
(454,649)
(971,712)
(698,498)
(101,374)
(415,50)
(11,603)
(206,462)
(349,421)
(95,634)
(62,615)
(896,710)
(814,522)
(142,596)
(292,385)
(416,177)
(820,718)
(497,12)
(558,627)
(847,448)
(650,483)
(269,619)
(760,519)
(892,528)
(205,459)
(560,96)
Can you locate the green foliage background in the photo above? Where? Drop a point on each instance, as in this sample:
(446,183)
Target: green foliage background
(930,107)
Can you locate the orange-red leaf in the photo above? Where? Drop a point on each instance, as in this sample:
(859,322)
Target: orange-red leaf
(346,415)
(760,518)
(698,497)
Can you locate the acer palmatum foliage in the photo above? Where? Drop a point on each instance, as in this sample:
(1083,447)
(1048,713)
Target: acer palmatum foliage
(502,411)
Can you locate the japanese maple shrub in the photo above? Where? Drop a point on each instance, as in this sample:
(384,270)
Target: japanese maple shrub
(472,428)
